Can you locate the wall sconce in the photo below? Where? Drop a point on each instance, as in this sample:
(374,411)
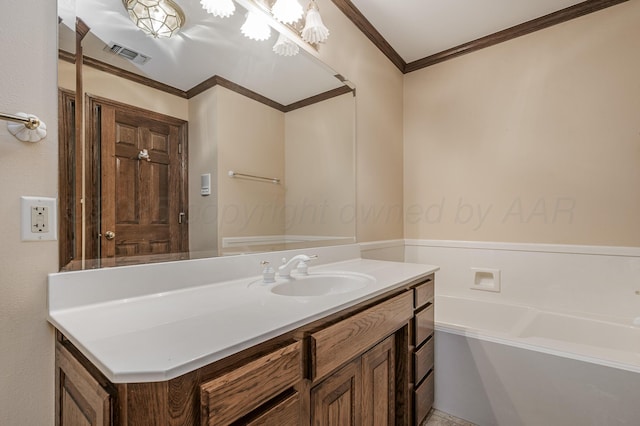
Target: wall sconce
(314,29)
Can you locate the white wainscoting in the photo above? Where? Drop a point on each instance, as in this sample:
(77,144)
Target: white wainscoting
(589,280)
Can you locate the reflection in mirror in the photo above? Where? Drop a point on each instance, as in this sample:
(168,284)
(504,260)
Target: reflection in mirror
(70,159)
(166,122)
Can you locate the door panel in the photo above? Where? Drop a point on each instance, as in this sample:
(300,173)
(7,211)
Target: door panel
(336,400)
(126,179)
(378,384)
(158,188)
(143,185)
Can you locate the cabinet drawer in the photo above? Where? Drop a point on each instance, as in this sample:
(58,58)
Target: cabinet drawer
(237,393)
(423,293)
(338,343)
(423,325)
(286,412)
(423,360)
(423,399)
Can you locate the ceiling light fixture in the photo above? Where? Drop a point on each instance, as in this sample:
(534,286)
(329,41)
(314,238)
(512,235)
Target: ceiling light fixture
(256,27)
(285,46)
(287,11)
(219,8)
(314,30)
(157,18)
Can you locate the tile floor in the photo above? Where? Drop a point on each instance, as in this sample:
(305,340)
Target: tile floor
(439,418)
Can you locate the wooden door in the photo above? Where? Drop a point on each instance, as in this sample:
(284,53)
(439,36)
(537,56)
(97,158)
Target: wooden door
(378,384)
(69,183)
(336,400)
(143,196)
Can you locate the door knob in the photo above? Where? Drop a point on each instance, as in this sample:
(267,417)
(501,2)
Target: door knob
(109,235)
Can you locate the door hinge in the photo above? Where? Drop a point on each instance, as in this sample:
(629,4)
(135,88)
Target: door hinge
(179,148)
(181,218)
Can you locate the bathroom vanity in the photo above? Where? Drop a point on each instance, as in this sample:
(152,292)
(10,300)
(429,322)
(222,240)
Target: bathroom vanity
(363,356)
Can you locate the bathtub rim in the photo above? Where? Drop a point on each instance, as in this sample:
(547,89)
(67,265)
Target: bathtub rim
(540,344)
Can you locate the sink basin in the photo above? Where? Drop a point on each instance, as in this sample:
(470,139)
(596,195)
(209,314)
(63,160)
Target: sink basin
(324,284)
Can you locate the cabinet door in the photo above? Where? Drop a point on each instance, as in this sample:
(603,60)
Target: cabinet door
(80,400)
(378,384)
(336,400)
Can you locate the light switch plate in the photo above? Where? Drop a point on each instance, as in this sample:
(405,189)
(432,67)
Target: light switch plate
(205,184)
(39,219)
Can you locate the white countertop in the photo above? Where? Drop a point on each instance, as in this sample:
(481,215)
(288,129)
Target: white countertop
(157,336)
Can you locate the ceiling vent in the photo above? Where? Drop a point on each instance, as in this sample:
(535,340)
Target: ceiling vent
(125,52)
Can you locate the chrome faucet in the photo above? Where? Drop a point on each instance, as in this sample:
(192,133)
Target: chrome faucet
(301,266)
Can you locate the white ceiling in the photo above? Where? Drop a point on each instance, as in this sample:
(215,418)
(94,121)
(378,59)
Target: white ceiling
(206,46)
(419,28)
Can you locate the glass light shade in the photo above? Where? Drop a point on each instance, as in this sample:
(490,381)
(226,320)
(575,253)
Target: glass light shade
(219,8)
(256,27)
(285,46)
(314,30)
(287,11)
(157,18)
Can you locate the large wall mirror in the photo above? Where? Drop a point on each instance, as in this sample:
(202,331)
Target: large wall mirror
(203,144)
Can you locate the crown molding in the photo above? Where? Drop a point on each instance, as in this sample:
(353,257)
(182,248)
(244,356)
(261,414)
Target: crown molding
(525,28)
(353,13)
(205,85)
(558,17)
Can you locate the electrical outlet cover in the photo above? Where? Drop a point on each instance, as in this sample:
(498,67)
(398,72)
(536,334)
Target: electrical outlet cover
(35,225)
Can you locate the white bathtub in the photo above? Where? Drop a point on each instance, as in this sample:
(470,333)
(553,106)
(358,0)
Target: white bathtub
(499,364)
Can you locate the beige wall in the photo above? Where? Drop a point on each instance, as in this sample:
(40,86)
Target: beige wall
(250,139)
(319,167)
(203,159)
(533,140)
(109,86)
(310,149)
(378,125)
(28,84)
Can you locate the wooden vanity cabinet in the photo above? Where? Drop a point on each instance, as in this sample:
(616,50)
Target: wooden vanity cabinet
(259,388)
(239,392)
(355,367)
(80,399)
(363,350)
(337,400)
(285,412)
(360,393)
(422,349)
